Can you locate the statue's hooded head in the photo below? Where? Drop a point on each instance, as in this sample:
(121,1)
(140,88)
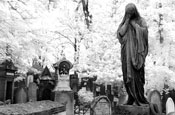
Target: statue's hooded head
(132,10)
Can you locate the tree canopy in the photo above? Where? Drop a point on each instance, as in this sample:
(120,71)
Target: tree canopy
(48,30)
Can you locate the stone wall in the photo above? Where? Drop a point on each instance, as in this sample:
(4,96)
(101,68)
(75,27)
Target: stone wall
(34,108)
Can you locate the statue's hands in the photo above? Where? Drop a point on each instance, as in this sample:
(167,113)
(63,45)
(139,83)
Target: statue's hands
(133,23)
(128,16)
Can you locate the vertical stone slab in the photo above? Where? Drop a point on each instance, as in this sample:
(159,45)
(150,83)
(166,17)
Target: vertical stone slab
(21,96)
(63,92)
(66,98)
(32,92)
(101,106)
(102,89)
(122,99)
(155,98)
(169,106)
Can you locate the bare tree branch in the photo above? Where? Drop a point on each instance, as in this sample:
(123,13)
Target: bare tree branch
(22,2)
(15,9)
(65,37)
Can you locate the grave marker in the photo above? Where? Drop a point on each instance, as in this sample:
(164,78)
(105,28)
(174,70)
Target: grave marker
(32,92)
(102,89)
(169,106)
(20,96)
(154,97)
(101,106)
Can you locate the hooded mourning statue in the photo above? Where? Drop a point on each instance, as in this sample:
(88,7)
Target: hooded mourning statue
(133,37)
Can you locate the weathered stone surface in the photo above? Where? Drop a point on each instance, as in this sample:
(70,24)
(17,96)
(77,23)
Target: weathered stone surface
(21,96)
(33,108)
(32,92)
(154,97)
(123,98)
(65,98)
(101,106)
(131,110)
(171,113)
(169,106)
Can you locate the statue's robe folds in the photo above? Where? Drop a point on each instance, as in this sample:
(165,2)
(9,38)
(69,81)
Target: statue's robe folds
(134,49)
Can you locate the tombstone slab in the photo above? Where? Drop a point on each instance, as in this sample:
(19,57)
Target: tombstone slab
(123,98)
(32,92)
(154,97)
(63,93)
(101,106)
(20,96)
(65,98)
(169,106)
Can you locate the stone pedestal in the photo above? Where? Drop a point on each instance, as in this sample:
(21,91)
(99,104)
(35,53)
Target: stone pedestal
(66,98)
(131,110)
(64,94)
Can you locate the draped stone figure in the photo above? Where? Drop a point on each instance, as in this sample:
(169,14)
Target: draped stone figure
(132,34)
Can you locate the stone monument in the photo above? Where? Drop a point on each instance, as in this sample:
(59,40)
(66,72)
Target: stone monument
(63,93)
(101,105)
(132,34)
(32,92)
(154,97)
(169,106)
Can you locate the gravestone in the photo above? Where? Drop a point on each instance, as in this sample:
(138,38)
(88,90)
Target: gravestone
(20,96)
(122,98)
(165,96)
(109,93)
(32,92)
(63,93)
(169,106)
(154,97)
(102,89)
(100,106)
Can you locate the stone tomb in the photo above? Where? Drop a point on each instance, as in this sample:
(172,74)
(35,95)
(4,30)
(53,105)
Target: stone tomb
(101,106)
(154,97)
(169,106)
(7,76)
(32,92)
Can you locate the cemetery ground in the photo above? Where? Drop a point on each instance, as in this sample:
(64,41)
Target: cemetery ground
(68,94)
